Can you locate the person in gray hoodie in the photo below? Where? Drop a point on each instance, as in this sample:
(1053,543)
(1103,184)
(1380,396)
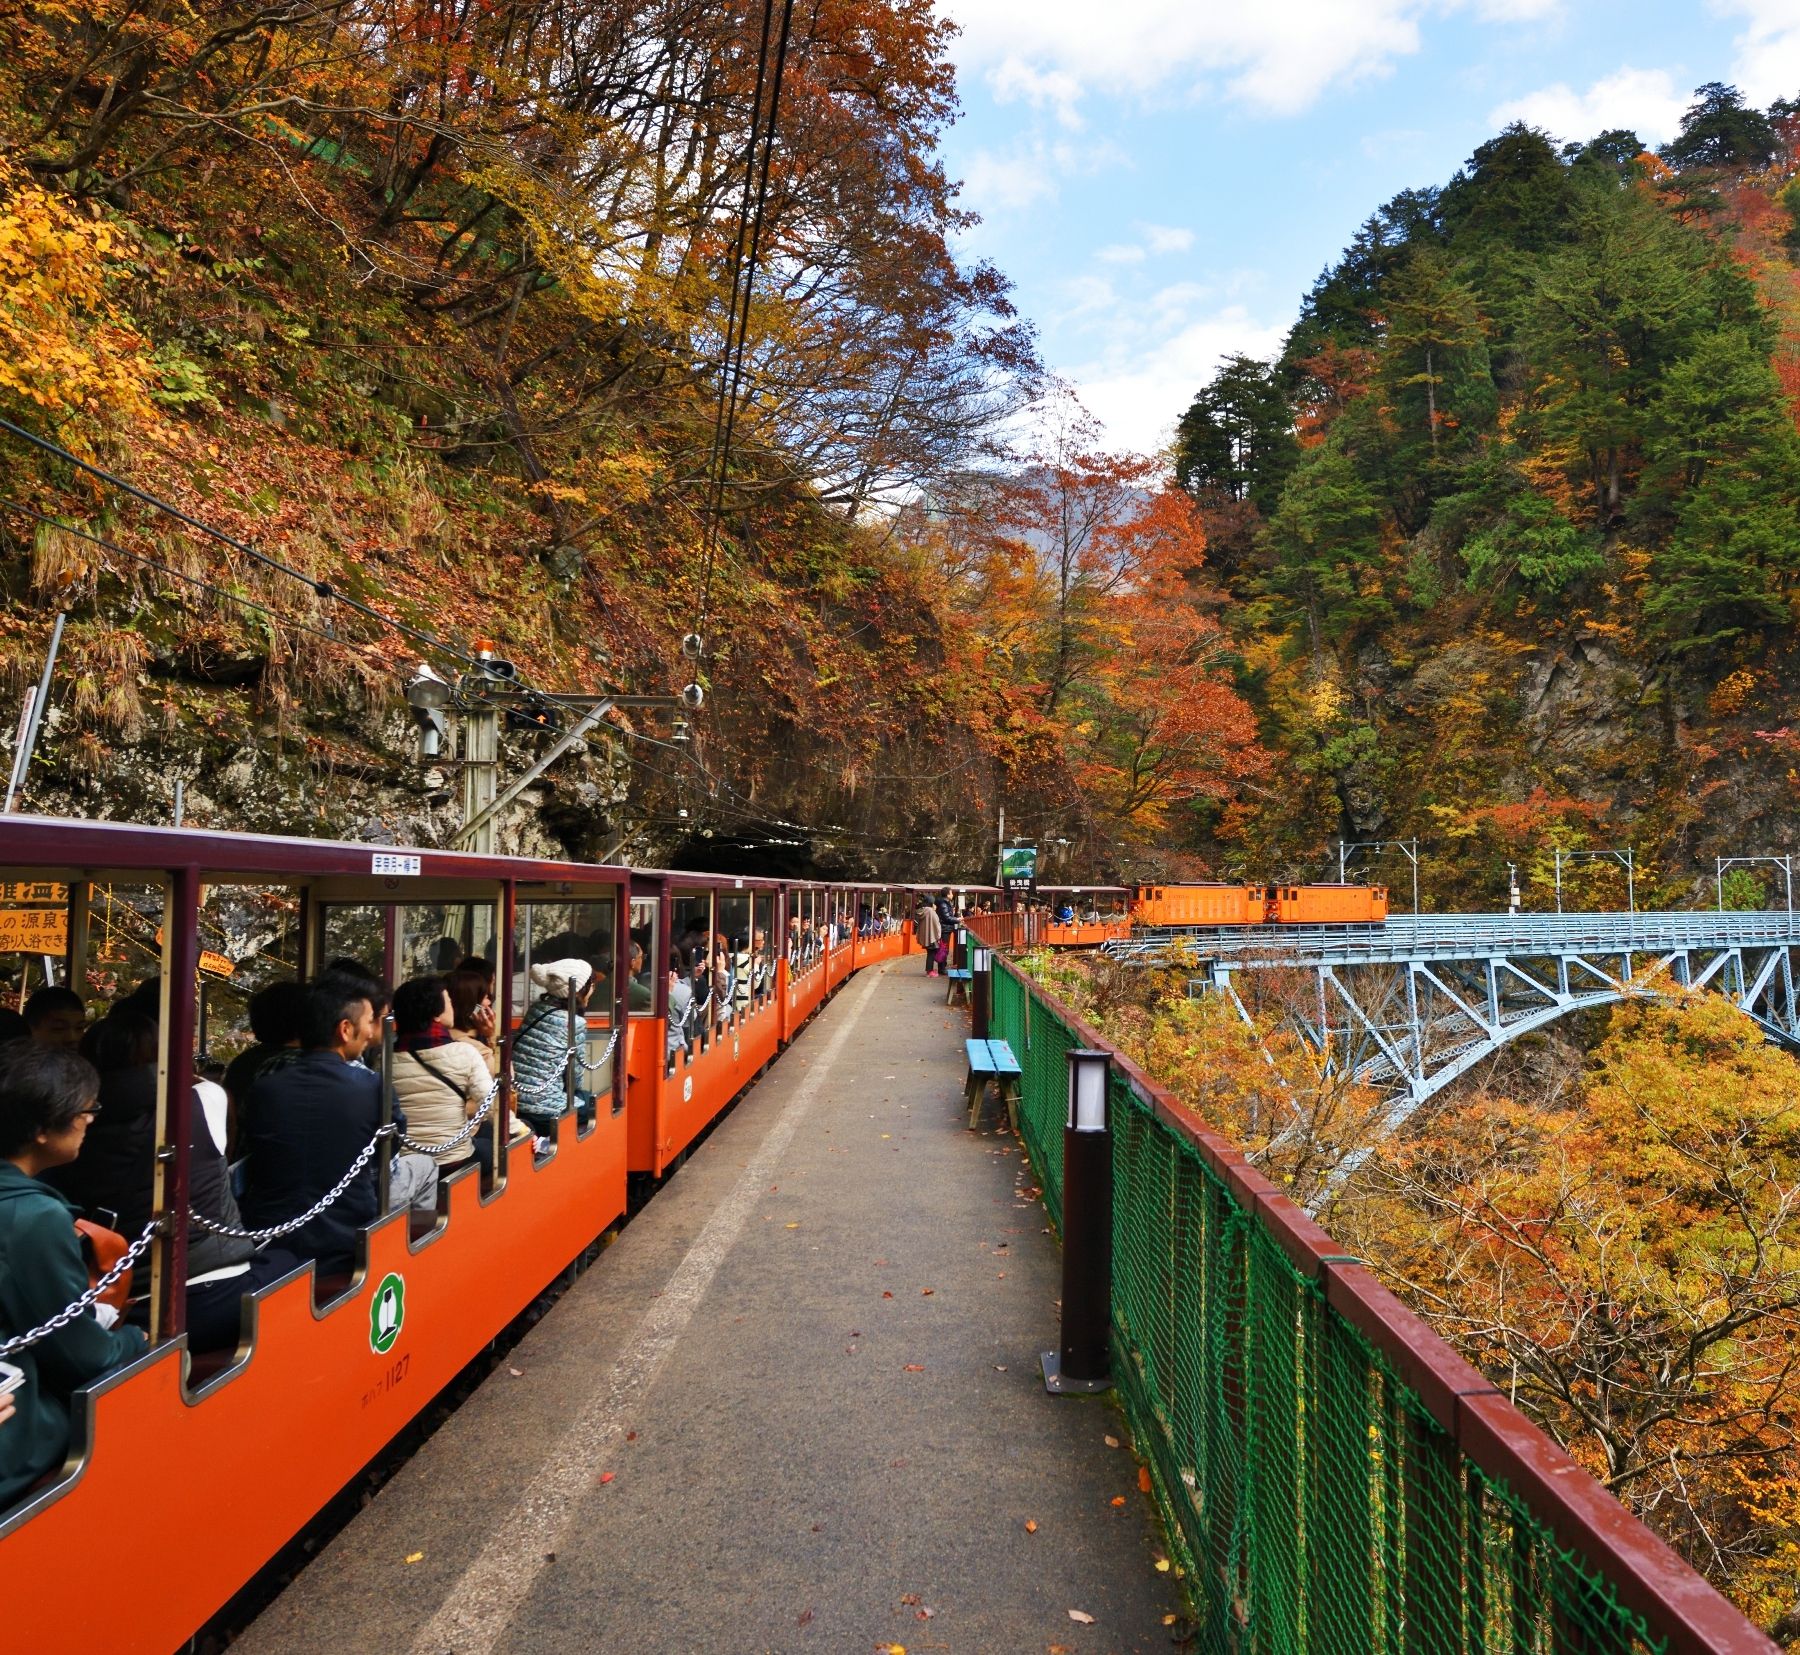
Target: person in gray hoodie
(47,1098)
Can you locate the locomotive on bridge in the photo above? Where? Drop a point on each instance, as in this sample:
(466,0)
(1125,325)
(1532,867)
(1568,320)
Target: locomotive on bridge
(1163,906)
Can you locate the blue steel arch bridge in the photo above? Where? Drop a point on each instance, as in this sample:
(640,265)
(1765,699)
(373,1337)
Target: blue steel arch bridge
(1410,1005)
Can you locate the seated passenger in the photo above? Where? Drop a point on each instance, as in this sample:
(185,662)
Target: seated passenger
(681,1004)
(308,1120)
(47,1099)
(471,987)
(275,1013)
(543,1051)
(55,1016)
(743,982)
(439,1081)
(639,995)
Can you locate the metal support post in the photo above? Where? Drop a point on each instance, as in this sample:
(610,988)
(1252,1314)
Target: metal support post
(981,991)
(1083,1364)
(384,1157)
(31,720)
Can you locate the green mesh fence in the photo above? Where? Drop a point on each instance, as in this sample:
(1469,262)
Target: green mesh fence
(1312,1500)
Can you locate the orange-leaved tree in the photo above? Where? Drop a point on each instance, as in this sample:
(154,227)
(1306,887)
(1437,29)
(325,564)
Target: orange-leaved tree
(1627,1266)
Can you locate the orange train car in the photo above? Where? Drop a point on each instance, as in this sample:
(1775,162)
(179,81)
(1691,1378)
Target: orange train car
(237,1450)
(1330,904)
(1181,905)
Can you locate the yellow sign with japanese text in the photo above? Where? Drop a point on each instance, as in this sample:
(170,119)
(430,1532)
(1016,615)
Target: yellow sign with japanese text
(34,931)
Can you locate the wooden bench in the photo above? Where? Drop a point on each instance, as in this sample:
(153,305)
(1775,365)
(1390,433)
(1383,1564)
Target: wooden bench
(991,1060)
(958,979)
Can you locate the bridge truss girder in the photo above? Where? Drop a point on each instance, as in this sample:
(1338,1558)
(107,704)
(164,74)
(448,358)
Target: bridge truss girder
(1410,1026)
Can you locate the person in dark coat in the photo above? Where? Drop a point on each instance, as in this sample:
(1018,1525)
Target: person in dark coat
(307,1121)
(48,1097)
(112,1181)
(275,1013)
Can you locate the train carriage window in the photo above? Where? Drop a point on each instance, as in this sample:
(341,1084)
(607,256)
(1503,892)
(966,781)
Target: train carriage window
(734,928)
(762,948)
(640,992)
(435,937)
(692,924)
(583,930)
(355,931)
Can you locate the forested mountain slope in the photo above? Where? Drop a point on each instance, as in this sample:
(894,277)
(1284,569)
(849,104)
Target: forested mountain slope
(1513,524)
(430,301)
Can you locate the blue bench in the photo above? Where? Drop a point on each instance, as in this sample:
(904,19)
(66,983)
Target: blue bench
(990,1060)
(958,978)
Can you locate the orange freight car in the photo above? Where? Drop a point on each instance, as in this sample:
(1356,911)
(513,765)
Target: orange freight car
(1331,904)
(1198,905)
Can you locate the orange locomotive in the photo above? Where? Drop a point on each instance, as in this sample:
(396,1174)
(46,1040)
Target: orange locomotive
(1179,905)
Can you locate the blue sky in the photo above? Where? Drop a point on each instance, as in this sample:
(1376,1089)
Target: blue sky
(1163,179)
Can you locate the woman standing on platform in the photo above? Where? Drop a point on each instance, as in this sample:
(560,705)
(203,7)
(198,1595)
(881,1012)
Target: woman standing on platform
(929,929)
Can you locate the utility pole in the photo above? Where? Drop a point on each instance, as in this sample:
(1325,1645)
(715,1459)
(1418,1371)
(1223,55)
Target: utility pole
(480,777)
(1000,848)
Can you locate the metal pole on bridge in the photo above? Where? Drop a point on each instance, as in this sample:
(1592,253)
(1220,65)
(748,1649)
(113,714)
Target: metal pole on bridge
(1083,1364)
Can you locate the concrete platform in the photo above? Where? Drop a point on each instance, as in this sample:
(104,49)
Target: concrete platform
(797,1408)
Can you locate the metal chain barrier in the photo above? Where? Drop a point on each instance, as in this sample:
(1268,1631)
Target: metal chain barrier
(213,1226)
(87,1301)
(473,1126)
(605,1057)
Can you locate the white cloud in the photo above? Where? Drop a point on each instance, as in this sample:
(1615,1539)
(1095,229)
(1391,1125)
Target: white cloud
(1279,56)
(1053,88)
(1164,238)
(1518,11)
(1140,392)
(1768,60)
(1645,100)
(1121,253)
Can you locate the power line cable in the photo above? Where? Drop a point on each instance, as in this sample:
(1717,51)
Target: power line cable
(736,357)
(21,509)
(322,588)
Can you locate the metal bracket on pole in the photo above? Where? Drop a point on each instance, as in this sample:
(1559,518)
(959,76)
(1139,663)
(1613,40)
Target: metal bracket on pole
(471,829)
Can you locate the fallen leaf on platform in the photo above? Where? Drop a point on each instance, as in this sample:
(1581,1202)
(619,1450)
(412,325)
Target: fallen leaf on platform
(807,1614)
(887,1295)
(1162,1565)
(631,1436)
(1111,1442)
(926,1292)
(1031,1525)
(909,1598)
(1081,1615)
(606,1476)
(999,1367)
(924,1613)
(517,1373)
(795,1225)
(919,1367)
(414,1557)
(1143,1479)
(887,1134)
(1118,1499)
(891,1649)
(1169,1620)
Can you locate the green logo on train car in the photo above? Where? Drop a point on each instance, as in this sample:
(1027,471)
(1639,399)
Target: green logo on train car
(387,1311)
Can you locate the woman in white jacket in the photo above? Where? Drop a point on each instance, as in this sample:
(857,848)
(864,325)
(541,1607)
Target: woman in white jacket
(439,1081)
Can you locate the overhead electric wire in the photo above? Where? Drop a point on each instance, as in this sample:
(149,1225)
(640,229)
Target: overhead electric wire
(275,615)
(714,462)
(735,353)
(322,588)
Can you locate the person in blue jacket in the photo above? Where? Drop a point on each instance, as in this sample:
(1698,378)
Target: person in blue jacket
(47,1097)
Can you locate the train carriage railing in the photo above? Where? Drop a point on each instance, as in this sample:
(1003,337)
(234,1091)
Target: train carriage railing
(1334,1476)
